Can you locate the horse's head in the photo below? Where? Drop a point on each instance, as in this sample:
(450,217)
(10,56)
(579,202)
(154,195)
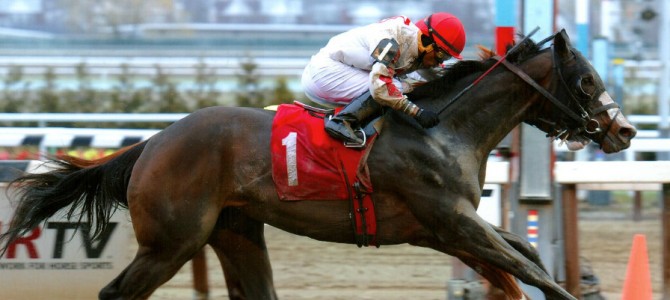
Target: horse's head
(585,111)
(562,96)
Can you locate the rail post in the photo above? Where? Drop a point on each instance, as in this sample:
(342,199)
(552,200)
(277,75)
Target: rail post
(637,206)
(665,231)
(571,239)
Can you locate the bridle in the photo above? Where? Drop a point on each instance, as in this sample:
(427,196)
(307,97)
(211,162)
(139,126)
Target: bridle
(583,117)
(588,123)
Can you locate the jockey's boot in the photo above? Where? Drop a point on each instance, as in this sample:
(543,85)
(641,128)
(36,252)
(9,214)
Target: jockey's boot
(352,117)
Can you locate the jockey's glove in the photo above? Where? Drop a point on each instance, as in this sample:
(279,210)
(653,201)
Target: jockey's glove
(427,118)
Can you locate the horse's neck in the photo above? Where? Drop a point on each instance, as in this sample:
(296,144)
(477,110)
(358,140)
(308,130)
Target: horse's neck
(497,105)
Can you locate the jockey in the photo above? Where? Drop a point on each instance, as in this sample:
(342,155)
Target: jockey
(380,59)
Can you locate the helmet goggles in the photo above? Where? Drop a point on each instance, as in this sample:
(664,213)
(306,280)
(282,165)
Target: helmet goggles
(440,54)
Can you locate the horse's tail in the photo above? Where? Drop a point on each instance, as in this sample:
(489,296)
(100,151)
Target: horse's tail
(93,189)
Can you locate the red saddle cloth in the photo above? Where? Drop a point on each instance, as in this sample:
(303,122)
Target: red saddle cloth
(307,164)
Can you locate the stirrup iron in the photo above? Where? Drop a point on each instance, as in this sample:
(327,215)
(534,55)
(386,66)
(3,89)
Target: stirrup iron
(351,144)
(355,145)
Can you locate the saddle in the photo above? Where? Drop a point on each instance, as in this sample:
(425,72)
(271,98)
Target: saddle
(308,164)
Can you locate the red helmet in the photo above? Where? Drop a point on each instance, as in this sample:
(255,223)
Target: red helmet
(446,30)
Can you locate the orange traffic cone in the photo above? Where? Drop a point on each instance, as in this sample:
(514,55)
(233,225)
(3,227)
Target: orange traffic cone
(637,285)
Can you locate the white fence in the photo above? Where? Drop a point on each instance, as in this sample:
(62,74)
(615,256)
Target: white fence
(45,136)
(43,119)
(64,137)
(647,140)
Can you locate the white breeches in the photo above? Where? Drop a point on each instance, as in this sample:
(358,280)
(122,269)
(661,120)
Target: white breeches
(332,83)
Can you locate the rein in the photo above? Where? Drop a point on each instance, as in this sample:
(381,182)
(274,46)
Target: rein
(586,122)
(516,70)
(452,101)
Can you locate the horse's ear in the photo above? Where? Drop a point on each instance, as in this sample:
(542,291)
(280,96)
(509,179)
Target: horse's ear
(562,44)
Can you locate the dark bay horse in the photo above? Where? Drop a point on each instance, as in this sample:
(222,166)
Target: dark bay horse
(207,178)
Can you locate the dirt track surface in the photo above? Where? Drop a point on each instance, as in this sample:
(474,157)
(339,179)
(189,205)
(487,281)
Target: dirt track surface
(308,269)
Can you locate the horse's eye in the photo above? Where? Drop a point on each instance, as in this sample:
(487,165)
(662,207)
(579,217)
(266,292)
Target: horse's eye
(586,85)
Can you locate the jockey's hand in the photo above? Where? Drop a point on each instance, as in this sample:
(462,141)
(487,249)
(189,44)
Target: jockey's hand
(427,118)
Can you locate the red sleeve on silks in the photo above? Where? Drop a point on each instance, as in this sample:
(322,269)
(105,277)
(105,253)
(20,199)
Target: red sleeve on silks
(386,93)
(392,90)
(382,88)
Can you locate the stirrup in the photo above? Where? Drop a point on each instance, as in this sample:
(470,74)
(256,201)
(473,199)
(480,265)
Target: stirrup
(351,144)
(355,145)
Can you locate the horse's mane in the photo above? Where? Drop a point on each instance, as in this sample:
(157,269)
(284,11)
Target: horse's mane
(465,68)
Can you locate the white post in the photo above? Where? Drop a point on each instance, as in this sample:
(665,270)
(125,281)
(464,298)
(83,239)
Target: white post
(664,57)
(582,12)
(609,18)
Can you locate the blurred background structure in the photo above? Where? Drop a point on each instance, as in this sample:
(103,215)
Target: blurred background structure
(159,56)
(124,48)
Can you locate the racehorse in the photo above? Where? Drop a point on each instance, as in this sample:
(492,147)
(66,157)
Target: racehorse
(206,179)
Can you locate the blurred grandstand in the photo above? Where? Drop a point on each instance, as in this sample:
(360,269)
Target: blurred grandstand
(178,34)
(129,46)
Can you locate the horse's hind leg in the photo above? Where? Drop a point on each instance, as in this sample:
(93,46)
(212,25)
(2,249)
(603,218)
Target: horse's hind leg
(239,243)
(169,234)
(150,268)
(164,247)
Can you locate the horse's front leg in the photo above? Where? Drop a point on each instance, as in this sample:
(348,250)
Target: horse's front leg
(521,245)
(461,232)
(239,243)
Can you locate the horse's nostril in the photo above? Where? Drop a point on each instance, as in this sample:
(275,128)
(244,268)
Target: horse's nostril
(627,132)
